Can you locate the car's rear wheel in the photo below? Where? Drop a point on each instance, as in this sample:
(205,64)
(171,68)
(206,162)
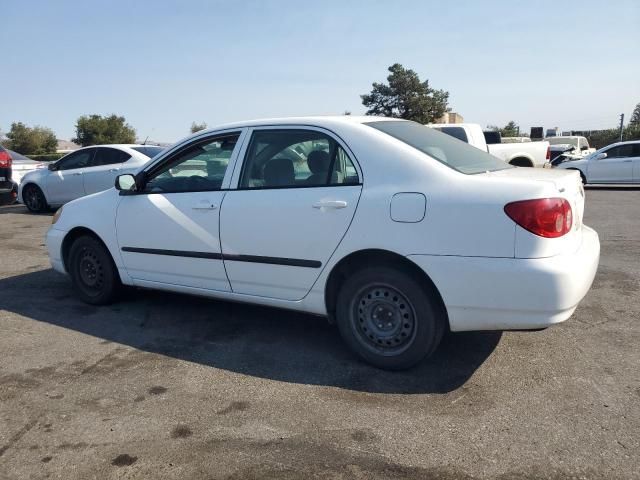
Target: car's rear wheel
(92,271)
(388,318)
(34,199)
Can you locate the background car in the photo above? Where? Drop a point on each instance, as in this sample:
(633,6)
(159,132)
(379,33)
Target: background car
(396,231)
(6,162)
(82,172)
(615,163)
(23,165)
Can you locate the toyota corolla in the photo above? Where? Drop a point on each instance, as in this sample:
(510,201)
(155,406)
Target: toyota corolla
(395,231)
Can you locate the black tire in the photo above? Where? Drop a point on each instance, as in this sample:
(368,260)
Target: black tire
(521,162)
(92,271)
(388,318)
(34,199)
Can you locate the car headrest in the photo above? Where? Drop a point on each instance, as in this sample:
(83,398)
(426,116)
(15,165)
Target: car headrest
(279,172)
(318,161)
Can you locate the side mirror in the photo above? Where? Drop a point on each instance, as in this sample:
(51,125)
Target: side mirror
(125,183)
(52,167)
(600,156)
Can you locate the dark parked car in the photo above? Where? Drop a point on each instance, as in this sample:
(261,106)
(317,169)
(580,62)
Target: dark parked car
(8,188)
(5,170)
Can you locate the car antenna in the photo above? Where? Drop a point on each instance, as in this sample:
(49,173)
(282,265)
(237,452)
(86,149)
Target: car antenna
(145,140)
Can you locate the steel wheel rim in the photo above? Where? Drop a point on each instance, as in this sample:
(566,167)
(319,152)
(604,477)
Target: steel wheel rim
(90,271)
(383,319)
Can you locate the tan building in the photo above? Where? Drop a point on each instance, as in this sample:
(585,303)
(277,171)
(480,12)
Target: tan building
(450,117)
(65,146)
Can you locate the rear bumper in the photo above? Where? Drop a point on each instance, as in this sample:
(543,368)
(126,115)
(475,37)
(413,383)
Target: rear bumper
(510,293)
(53,241)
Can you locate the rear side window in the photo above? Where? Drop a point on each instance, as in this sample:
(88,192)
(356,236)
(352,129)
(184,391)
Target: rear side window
(457,155)
(295,158)
(109,156)
(149,151)
(455,132)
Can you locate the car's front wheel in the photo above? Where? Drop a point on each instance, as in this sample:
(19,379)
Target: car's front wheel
(34,199)
(388,318)
(92,271)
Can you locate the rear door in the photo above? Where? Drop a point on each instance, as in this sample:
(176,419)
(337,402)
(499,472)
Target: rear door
(616,167)
(298,190)
(66,183)
(104,169)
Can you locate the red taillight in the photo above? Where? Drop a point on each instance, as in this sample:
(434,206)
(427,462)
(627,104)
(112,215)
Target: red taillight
(5,160)
(548,152)
(546,217)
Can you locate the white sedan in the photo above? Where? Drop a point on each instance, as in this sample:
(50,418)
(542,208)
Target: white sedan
(615,163)
(394,230)
(83,172)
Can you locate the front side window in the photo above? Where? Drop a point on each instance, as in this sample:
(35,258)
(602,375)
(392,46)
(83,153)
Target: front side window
(457,155)
(620,151)
(79,159)
(198,167)
(295,158)
(109,156)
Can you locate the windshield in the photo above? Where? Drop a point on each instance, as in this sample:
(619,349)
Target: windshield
(149,150)
(453,153)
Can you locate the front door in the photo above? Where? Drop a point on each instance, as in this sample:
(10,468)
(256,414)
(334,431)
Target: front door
(168,233)
(297,194)
(66,182)
(616,167)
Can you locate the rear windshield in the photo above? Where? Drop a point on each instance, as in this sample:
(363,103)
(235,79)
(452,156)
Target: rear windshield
(149,151)
(453,153)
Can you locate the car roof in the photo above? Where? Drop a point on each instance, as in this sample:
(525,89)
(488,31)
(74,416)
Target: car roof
(318,120)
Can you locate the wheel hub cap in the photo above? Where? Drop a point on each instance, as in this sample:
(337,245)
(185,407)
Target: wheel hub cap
(385,319)
(90,269)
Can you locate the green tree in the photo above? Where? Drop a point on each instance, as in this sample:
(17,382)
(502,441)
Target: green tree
(635,116)
(405,96)
(98,130)
(511,129)
(31,140)
(196,127)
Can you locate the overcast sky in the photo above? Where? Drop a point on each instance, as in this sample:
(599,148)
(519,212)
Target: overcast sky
(572,64)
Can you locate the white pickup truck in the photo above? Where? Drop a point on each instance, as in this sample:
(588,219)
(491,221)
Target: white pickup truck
(524,154)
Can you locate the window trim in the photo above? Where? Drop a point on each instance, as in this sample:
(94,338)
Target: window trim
(179,149)
(242,158)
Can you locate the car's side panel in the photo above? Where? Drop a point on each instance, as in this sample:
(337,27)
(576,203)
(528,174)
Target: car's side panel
(288,234)
(610,170)
(178,241)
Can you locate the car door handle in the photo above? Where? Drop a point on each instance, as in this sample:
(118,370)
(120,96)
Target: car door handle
(627,161)
(114,170)
(205,206)
(330,204)
(77,173)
